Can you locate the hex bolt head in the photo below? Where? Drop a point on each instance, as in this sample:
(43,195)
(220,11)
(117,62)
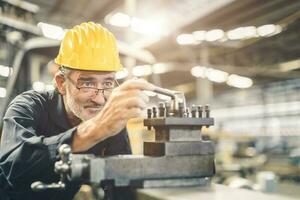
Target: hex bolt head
(154,111)
(194,111)
(167,107)
(161,109)
(207,111)
(200,110)
(149,113)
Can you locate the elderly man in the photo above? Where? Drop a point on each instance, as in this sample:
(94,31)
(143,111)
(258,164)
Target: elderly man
(88,110)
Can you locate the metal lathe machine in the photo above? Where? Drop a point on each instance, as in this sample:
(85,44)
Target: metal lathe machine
(177,158)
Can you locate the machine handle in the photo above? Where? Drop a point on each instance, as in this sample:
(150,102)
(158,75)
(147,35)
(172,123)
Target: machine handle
(62,167)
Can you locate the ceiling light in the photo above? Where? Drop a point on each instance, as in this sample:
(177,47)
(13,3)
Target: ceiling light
(250,31)
(147,27)
(216,75)
(198,71)
(38,86)
(122,74)
(118,19)
(161,68)
(242,33)
(214,35)
(185,39)
(268,30)
(199,35)
(5,71)
(239,81)
(142,70)
(51,31)
(2,92)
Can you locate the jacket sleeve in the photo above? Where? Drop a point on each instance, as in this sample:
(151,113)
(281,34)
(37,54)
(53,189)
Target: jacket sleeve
(26,155)
(118,144)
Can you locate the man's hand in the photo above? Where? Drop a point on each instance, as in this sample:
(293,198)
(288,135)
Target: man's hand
(126,102)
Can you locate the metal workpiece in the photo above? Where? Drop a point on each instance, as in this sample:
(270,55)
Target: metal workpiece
(176,98)
(211,192)
(80,167)
(178,148)
(179,121)
(163,134)
(166,92)
(177,157)
(126,169)
(175,183)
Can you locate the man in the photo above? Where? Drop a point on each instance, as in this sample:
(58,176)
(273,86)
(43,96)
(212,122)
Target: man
(87,111)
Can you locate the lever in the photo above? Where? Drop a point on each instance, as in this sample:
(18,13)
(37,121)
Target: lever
(62,168)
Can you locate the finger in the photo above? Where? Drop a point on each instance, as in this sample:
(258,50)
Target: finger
(140,84)
(131,93)
(145,97)
(133,113)
(134,102)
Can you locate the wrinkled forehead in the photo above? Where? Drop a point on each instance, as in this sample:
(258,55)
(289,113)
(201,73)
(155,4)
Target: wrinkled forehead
(95,75)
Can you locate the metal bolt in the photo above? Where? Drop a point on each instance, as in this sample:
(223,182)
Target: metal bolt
(161,109)
(187,112)
(154,111)
(194,110)
(167,107)
(180,109)
(149,113)
(200,110)
(207,111)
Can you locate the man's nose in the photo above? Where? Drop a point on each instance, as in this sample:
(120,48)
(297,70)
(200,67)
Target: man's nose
(99,98)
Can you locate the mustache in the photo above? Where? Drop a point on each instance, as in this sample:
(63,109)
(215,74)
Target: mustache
(93,105)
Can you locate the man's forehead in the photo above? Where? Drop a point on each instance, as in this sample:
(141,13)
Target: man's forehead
(100,75)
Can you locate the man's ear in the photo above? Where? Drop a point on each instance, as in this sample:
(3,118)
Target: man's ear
(60,80)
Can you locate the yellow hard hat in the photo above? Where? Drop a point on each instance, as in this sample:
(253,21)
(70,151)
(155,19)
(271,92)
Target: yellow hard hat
(89,46)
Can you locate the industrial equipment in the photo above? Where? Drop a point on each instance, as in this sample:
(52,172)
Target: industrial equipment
(178,156)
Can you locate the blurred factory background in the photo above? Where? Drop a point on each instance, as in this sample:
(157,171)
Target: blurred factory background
(241,57)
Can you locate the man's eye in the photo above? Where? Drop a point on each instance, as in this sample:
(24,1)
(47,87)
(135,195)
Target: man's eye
(108,84)
(88,84)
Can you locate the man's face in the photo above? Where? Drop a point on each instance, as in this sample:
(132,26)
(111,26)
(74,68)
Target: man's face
(81,104)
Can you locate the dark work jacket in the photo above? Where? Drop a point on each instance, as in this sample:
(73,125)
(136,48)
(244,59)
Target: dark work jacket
(35,125)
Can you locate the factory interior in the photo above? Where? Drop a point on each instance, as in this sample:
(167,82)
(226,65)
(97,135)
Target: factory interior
(235,61)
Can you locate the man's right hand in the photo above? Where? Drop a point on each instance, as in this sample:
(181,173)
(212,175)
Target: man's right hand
(126,102)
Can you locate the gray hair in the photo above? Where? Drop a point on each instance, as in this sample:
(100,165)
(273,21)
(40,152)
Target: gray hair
(63,71)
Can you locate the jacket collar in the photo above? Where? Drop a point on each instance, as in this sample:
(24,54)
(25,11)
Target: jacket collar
(58,111)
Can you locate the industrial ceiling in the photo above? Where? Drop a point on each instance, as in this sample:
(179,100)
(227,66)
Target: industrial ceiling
(263,59)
